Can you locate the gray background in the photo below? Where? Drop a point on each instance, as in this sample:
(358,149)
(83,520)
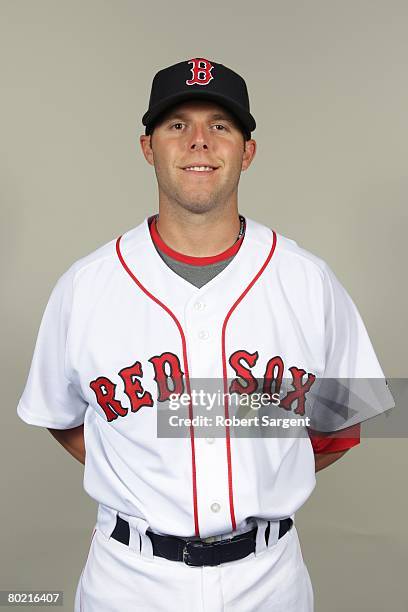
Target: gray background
(328,87)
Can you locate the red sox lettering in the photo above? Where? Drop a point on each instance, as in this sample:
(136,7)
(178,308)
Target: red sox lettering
(131,376)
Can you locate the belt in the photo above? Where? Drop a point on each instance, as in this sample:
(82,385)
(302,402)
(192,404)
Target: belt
(197,552)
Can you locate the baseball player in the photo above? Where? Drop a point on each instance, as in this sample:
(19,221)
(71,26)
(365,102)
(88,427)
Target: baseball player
(195,292)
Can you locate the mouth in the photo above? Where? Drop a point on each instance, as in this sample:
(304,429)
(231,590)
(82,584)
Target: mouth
(200,169)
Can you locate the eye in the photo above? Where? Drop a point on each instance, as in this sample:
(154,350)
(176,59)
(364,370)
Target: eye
(177,124)
(219,125)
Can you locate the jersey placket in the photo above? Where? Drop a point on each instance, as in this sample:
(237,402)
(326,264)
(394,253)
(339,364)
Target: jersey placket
(206,321)
(203,325)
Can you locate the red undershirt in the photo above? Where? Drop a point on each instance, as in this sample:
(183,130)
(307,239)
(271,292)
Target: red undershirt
(189,259)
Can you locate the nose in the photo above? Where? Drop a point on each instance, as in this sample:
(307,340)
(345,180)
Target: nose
(197,146)
(198,139)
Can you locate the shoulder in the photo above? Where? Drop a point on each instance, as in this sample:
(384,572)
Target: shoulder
(289,250)
(288,255)
(103,256)
(102,261)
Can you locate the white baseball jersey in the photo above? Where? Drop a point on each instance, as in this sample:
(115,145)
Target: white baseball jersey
(119,321)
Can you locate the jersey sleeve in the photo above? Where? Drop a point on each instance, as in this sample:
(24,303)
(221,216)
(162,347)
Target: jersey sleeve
(350,436)
(349,351)
(353,387)
(50,397)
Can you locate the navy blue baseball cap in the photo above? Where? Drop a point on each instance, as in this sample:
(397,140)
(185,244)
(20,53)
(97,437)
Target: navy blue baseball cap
(199,78)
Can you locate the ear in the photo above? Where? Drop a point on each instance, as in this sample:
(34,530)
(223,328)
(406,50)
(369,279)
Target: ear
(145,143)
(249,153)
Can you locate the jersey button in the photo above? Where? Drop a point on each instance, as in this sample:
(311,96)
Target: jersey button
(210,440)
(199,306)
(203,334)
(215,507)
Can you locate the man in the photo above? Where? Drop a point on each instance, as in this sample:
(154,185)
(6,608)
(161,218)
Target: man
(195,293)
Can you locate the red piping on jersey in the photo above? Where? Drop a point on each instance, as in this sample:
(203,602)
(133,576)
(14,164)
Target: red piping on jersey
(189,259)
(224,372)
(184,344)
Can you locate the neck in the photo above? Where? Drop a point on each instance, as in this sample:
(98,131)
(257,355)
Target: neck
(198,235)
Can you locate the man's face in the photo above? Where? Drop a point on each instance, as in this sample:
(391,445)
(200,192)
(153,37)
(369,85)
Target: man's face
(198,152)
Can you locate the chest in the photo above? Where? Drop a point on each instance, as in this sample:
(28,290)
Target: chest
(129,348)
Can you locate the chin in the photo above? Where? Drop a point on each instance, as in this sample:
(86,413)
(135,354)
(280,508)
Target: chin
(199,207)
(198,203)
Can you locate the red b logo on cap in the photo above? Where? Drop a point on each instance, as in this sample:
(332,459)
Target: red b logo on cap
(201,71)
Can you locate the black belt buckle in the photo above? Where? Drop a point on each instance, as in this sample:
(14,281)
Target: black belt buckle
(197,554)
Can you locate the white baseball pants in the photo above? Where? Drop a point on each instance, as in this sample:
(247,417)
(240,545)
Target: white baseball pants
(116,578)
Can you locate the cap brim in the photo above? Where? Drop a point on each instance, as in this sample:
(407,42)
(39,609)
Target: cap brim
(243,116)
